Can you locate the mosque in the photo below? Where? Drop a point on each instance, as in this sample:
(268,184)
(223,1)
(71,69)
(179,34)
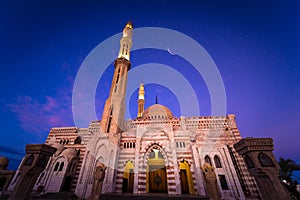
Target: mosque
(157,152)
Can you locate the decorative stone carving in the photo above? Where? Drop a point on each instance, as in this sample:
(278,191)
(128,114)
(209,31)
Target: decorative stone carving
(99,175)
(211,181)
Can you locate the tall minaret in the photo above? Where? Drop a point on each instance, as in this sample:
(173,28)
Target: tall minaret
(141,100)
(114,110)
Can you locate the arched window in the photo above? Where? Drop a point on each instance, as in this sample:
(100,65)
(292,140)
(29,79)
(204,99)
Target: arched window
(265,160)
(42,161)
(207,159)
(160,155)
(61,166)
(77,140)
(29,160)
(109,120)
(152,154)
(217,162)
(56,166)
(249,162)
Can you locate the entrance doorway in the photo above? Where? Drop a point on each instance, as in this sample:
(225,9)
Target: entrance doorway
(186,179)
(156,173)
(67,184)
(184,182)
(128,178)
(157,179)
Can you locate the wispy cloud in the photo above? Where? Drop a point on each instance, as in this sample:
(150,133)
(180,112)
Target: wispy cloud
(38,115)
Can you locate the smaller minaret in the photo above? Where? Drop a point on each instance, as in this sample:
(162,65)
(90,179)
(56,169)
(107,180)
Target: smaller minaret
(141,100)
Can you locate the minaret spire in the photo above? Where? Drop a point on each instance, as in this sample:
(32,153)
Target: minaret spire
(126,41)
(114,110)
(141,100)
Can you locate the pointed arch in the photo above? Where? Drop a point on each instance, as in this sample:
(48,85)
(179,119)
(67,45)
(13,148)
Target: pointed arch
(155,162)
(77,140)
(265,160)
(249,162)
(207,159)
(217,161)
(99,160)
(29,160)
(160,149)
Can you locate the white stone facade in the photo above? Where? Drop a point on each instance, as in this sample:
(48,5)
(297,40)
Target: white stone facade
(156,152)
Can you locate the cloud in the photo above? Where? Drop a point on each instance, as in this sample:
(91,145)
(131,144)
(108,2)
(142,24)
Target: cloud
(37,116)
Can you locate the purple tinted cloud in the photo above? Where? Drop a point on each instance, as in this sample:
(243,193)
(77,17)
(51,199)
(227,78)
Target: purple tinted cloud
(38,117)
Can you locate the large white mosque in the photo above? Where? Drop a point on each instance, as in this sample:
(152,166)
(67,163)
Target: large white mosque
(156,152)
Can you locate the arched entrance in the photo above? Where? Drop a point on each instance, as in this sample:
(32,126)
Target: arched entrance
(156,172)
(186,179)
(128,177)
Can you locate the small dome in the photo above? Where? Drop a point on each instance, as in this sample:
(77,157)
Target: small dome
(3,162)
(157,111)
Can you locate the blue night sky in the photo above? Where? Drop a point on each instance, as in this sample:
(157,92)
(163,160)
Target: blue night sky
(255,45)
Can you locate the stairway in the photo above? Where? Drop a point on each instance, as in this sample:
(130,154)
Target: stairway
(115,196)
(57,196)
(118,196)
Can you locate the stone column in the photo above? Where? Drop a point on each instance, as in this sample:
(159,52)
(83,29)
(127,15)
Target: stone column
(176,167)
(36,159)
(198,173)
(136,165)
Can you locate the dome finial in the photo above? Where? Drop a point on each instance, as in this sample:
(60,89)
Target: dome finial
(129,24)
(156,100)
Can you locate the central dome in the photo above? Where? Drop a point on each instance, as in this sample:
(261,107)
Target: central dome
(157,111)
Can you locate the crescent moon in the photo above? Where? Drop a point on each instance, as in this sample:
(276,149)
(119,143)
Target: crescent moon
(171,52)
